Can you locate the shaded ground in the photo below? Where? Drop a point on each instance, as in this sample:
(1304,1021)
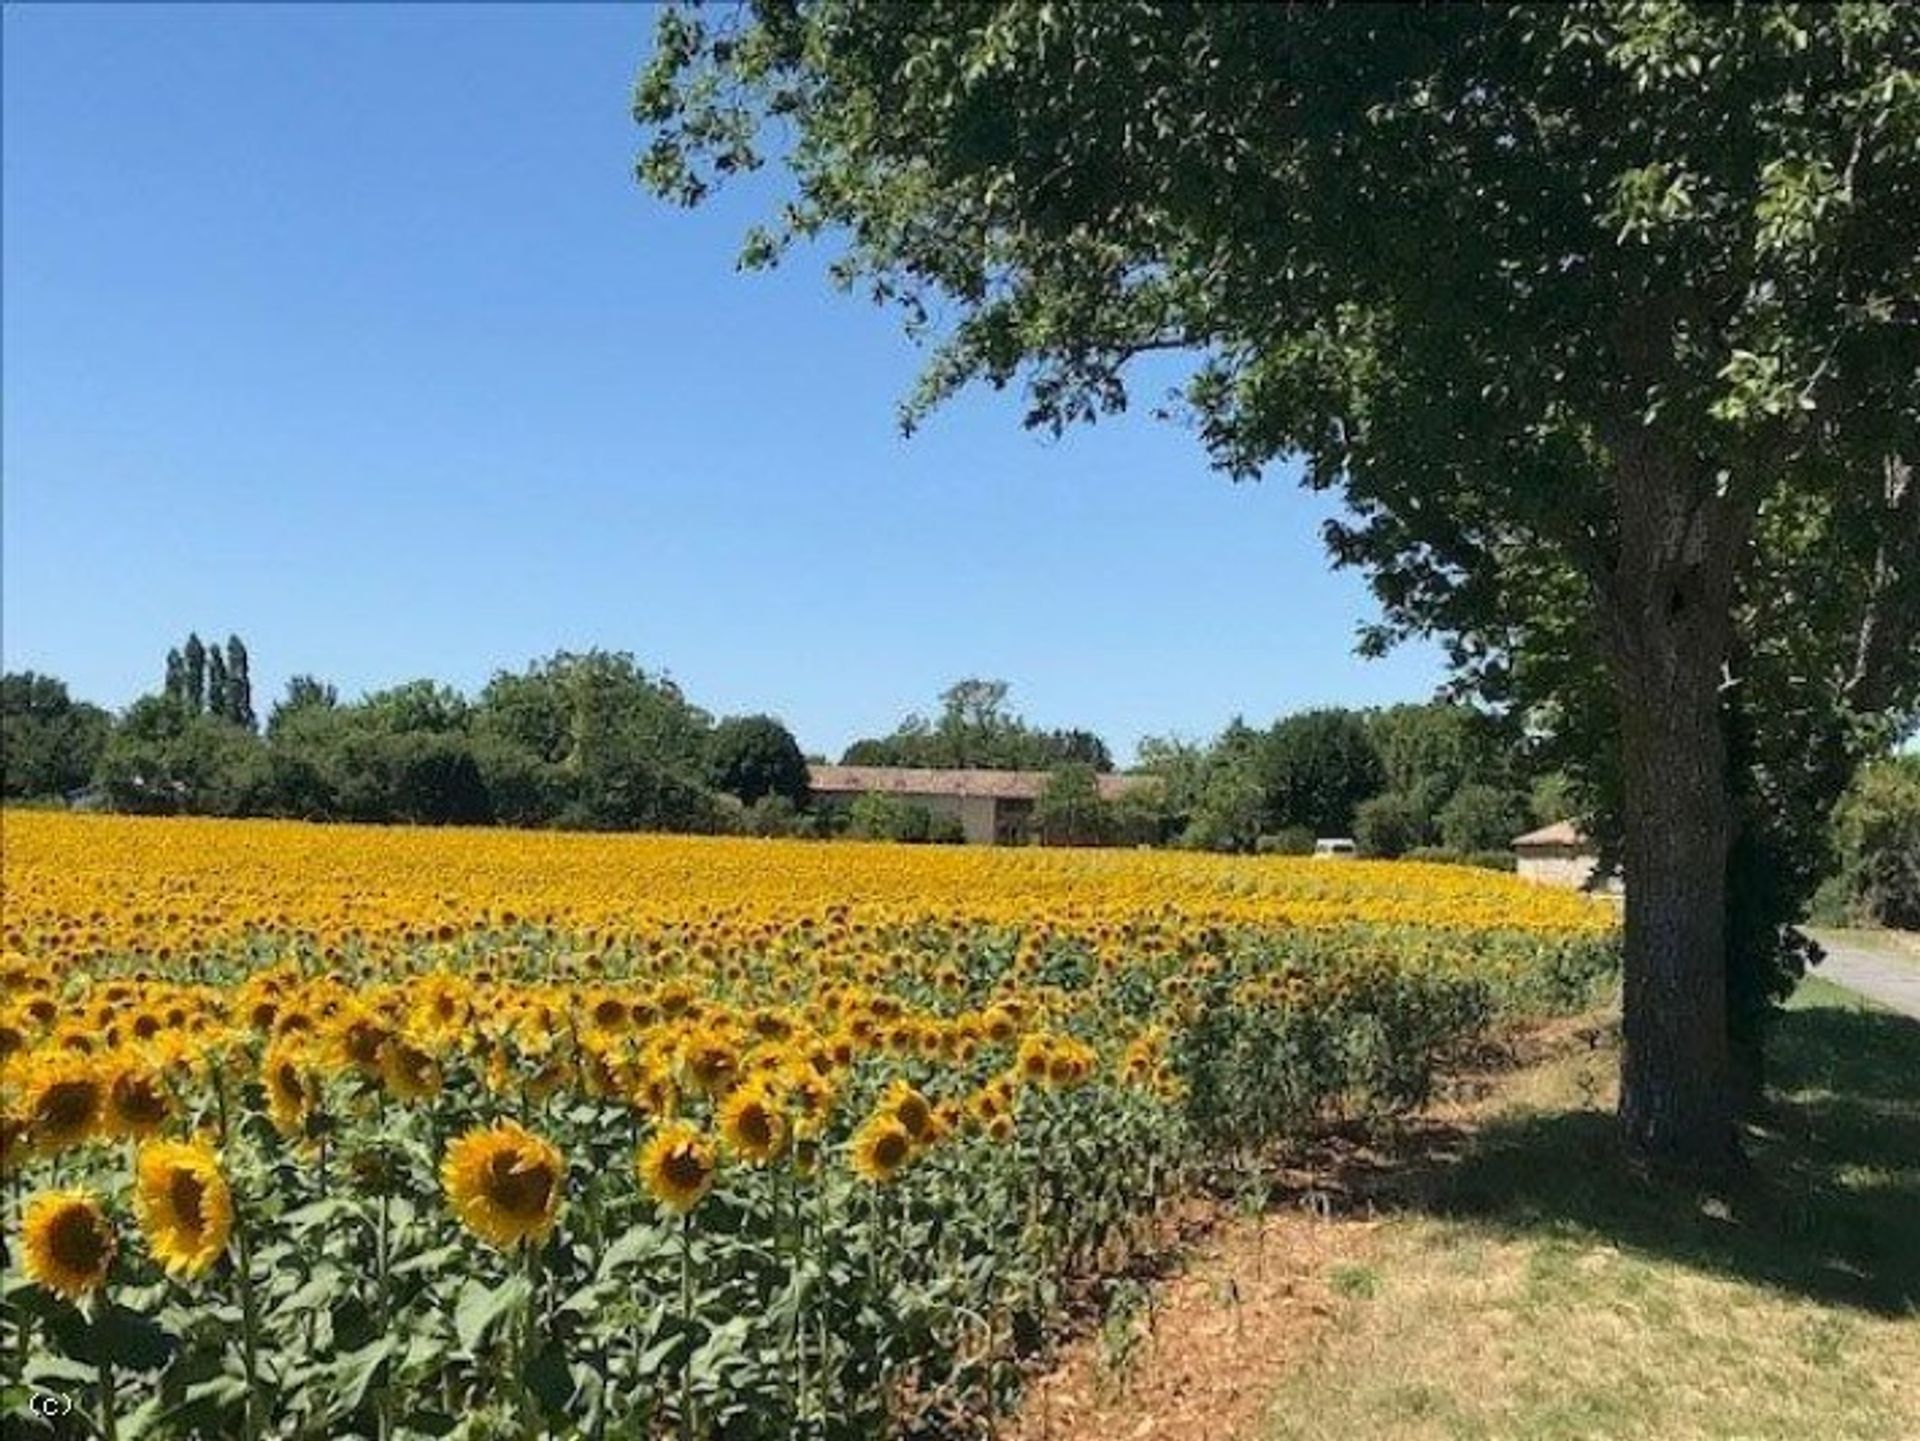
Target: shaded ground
(1500,1273)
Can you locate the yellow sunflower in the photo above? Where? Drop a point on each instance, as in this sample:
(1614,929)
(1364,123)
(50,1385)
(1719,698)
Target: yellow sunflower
(67,1242)
(64,1103)
(881,1148)
(712,1061)
(504,1183)
(292,1087)
(677,1165)
(137,1101)
(184,1203)
(411,1071)
(752,1124)
(358,1038)
(911,1109)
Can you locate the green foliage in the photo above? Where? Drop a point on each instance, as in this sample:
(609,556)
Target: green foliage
(776,816)
(1071,810)
(1289,841)
(975,729)
(206,679)
(1482,818)
(1390,825)
(1438,747)
(1877,830)
(303,692)
(49,741)
(239,687)
(193,675)
(1139,815)
(1230,811)
(1315,768)
(163,757)
(754,757)
(1552,797)
(593,741)
(878,817)
(1492,860)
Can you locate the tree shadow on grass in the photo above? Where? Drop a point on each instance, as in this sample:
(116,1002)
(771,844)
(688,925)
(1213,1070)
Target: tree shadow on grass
(1831,1209)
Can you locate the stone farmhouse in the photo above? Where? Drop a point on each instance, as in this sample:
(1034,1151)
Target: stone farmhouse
(994,808)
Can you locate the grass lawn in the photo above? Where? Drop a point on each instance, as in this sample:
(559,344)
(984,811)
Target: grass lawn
(1533,1288)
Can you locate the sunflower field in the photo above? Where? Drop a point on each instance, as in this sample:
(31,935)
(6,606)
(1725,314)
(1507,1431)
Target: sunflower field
(360,1132)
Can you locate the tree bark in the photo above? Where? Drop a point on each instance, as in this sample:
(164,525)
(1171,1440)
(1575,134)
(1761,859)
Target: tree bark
(1668,604)
(1677,1094)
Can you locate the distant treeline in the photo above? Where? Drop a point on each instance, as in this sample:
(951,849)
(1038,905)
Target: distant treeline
(593,741)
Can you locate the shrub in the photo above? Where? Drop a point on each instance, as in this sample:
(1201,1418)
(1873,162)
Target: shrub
(877,817)
(1482,818)
(1070,811)
(1288,841)
(1389,825)
(1487,860)
(755,756)
(1877,829)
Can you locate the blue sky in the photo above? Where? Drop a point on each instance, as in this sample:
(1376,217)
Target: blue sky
(348,329)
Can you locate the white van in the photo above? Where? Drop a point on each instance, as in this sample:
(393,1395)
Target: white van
(1335,848)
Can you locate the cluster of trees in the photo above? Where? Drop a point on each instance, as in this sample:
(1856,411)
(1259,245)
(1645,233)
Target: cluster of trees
(589,741)
(51,742)
(204,680)
(1438,781)
(975,729)
(1876,842)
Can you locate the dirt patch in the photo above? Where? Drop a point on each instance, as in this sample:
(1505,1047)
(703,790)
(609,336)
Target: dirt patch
(1195,1356)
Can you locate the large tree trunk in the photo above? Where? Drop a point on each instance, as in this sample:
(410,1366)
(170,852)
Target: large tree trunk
(1668,607)
(1677,1095)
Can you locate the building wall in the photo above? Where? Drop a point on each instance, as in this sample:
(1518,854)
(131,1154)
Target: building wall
(1557,866)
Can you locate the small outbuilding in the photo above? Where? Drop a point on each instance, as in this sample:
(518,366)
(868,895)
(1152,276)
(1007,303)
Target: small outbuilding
(1558,855)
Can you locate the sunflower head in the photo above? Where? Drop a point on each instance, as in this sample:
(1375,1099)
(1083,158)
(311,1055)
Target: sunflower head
(677,1165)
(881,1148)
(911,1109)
(504,1183)
(67,1242)
(359,1038)
(65,1101)
(292,1088)
(137,1102)
(712,1061)
(410,1070)
(184,1203)
(753,1124)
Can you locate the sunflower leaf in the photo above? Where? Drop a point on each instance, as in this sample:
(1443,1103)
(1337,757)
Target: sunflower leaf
(481,1308)
(355,1373)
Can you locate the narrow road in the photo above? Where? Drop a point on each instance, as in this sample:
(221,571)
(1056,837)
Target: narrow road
(1883,975)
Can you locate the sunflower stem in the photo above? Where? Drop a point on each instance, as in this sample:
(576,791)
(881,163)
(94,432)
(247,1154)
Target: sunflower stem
(109,1422)
(382,1262)
(529,1320)
(687,1426)
(249,1325)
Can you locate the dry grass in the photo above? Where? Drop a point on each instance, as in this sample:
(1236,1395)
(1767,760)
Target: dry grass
(1535,1290)
(1499,1275)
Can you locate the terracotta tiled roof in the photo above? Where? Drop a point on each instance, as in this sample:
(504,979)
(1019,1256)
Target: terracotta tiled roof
(927,781)
(1560,833)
